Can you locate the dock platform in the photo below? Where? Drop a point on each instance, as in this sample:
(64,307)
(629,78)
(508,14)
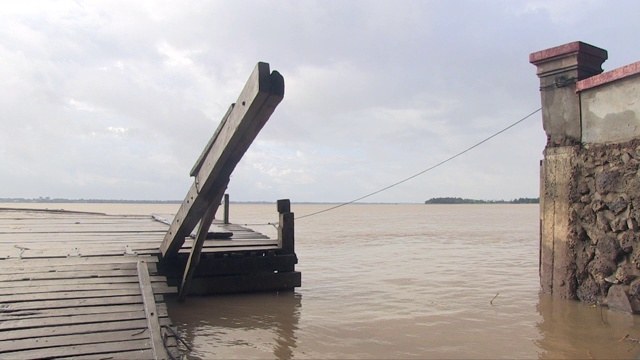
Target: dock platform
(91,285)
(82,285)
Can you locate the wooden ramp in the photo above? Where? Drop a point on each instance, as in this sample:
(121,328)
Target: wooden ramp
(82,285)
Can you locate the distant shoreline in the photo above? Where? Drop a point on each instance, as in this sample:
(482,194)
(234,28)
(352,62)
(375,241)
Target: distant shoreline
(84,201)
(454,201)
(432,201)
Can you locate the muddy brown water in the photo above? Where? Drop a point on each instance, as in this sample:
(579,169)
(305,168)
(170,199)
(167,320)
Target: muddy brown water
(399,281)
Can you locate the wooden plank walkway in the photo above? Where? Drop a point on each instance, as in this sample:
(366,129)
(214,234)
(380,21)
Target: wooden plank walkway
(82,285)
(87,285)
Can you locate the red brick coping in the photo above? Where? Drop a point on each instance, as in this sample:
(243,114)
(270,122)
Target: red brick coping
(609,76)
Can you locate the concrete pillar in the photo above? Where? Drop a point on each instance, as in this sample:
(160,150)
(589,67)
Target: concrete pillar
(559,68)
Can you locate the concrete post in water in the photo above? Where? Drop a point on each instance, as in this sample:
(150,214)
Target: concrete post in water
(559,69)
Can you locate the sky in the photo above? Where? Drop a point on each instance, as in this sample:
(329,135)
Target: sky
(117,99)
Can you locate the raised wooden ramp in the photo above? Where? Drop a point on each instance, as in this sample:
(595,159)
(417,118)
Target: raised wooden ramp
(82,285)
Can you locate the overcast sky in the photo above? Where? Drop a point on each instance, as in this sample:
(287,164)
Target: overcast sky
(116,99)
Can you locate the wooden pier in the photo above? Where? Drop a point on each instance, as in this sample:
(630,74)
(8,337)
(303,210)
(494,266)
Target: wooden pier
(90,285)
(82,285)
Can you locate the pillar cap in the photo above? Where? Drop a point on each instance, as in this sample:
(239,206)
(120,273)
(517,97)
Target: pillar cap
(567,49)
(577,55)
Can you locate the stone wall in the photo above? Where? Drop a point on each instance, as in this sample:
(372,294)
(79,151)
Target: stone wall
(606,213)
(589,177)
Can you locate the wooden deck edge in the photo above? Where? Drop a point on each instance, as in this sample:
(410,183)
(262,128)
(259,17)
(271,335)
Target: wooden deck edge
(54,211)
(259,282)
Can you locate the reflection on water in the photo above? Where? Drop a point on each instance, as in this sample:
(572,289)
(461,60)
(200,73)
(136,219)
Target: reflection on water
(250,326)
(405,281)
(576,330)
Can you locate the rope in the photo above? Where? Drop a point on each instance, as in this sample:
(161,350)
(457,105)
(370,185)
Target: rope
(177,336)
(423,171)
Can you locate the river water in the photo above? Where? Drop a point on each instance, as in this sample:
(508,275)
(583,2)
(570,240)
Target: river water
(400,281)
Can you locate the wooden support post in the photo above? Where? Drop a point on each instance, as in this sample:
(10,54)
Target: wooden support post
(151,312)
(262,93)
(196,251)
(226,209)
(286,239)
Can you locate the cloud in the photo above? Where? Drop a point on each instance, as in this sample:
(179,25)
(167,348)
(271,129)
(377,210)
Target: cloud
(116,99)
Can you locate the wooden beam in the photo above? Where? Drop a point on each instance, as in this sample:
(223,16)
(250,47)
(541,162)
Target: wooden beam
(257,101)
(194,255)
(246,283)
(225,218)
(79,329)
(151,312)
(286,236)
(196,167)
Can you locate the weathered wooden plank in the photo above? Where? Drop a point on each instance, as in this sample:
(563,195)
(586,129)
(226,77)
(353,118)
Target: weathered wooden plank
(84,248)
(71,340)
(16,324)
(151,312)
(158,287)
(87,349)
(104,223)
(115,242)
(68,303)
(43,231)
(73,268)
(198,164)
(49,313)
(84,252)
(46,212)
(124,355)
(231,249)
(81,281)
(12,263)
(257,101)
(68,295)
(67,275)
(77,329)
(50,237)
(93,219)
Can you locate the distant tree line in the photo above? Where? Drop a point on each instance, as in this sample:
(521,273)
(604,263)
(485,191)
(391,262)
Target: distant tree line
(457,200)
